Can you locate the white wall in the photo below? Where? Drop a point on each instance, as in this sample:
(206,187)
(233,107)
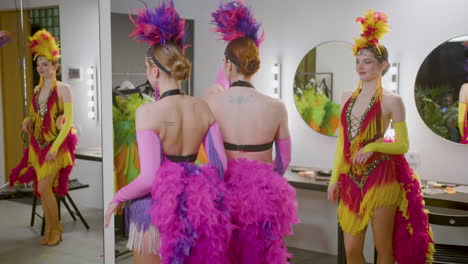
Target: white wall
(292,29)
(80,48)
(334,57)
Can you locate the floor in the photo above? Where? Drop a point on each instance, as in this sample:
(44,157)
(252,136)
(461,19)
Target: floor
(19,243)
(300,257)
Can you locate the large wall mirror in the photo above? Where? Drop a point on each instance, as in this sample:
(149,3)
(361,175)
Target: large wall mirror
(321,77)
(74,24)
(441,90)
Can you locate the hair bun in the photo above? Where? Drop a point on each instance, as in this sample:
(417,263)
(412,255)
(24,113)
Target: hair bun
(180,69)
(251,66)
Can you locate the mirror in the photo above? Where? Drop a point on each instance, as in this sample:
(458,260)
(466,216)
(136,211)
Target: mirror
(321,77)
(80,212)
(439,93)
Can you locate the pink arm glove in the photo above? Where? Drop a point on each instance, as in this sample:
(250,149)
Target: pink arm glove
(150,152)
(283,154)
(214,147)
(221,79)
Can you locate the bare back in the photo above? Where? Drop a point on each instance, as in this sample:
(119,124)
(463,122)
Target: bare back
(247,117)
(181,122)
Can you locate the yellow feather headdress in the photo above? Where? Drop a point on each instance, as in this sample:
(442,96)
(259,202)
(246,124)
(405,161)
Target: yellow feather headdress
(42,43)
(374,25)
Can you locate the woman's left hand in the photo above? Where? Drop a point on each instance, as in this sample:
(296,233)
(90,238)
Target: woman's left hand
(361,158)
(51,156)
(109,212)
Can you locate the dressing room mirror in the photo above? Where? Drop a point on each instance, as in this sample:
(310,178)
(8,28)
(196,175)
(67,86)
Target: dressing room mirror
(76,235)
(321,77)
(130,89)
(438,90)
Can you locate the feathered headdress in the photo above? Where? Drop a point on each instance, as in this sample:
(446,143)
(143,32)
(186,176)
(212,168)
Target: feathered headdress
(159,25)
(374,25)
(5,37)
(42,43)
(234,20)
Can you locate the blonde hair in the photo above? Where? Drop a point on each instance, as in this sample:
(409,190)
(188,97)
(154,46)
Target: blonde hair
(170,56)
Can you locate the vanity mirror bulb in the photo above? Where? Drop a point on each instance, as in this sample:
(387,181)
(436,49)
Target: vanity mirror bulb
(91,115)
(91,104)
(90,93)
(275,84)
(90,82)
(275,69)
(393,70)
(90,71)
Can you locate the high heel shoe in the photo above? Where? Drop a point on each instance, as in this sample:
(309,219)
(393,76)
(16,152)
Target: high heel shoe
(46,237)
(55,237)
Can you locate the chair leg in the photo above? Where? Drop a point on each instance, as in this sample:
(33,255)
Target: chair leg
(68,208)
(375,255)
(58,207)
(43,226)
(77,211)
(33,214)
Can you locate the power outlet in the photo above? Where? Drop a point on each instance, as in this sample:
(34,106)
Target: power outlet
(413,159)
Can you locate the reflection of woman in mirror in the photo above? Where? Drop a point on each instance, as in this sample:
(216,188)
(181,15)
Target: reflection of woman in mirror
(176,207)
(250,123)
(50,157)
(463,113)
(371,177)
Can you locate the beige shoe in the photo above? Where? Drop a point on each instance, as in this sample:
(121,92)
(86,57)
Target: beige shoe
(55,236)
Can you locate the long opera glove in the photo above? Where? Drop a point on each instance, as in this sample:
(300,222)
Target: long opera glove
(338,159)
(68,113)
(400,146)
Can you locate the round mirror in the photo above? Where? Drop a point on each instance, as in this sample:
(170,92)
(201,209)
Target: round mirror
(440,98)
(321,77)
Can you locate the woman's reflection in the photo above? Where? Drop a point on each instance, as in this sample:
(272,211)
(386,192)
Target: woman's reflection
(49,159)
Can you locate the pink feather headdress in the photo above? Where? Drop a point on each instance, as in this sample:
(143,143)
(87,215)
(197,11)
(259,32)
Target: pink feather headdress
(234,19)
(159,25)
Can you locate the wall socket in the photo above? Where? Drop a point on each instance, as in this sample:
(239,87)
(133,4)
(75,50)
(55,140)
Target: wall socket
(413,159)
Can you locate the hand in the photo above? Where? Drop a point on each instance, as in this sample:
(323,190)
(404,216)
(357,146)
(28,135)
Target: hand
(221,79)
(51,156)
(361,158)
(334,192)
(109,212)
(60,121)
(27,126)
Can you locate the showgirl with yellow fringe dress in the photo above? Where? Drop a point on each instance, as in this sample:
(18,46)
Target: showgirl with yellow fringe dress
(385,179)
(51,134)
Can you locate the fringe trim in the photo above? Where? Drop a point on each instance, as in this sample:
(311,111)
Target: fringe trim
(63,159)
(377,196)
(145,241)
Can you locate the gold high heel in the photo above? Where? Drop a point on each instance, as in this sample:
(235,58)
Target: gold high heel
(45,239)
(56,237)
